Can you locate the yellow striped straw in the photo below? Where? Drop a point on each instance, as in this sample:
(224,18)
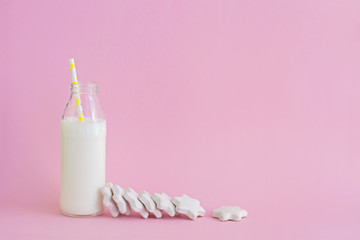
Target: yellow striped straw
(74,81)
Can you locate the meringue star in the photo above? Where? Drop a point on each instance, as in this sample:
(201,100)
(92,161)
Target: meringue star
(149,204)
(124,207)
(108,201)
(163,203)
(132,197)
(188,206)
(225,213)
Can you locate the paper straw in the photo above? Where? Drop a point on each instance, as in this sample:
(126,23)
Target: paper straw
(74,81)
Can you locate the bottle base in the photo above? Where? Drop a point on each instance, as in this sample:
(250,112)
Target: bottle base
(80,216)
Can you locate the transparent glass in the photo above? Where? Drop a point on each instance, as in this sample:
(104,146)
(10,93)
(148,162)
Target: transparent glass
(89,101)
(83,145)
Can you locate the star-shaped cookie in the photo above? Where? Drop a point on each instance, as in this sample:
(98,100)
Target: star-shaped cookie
(163,203)
(188,206)
(108,201)
(225,213)
(149,204)
(132,197)
(124,207)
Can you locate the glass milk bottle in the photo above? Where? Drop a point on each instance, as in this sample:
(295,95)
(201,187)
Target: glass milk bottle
(82,153)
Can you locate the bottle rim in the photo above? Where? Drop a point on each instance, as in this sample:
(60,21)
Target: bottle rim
(84,87)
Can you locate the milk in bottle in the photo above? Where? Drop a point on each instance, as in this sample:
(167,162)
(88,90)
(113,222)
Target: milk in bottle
(83,141)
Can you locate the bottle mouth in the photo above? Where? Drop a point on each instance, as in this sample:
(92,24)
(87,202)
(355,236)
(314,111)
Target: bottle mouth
(84,88)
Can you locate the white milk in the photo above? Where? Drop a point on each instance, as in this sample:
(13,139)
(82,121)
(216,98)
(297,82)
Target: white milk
(82,166)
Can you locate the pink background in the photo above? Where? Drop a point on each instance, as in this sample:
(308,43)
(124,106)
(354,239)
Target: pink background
(249,103)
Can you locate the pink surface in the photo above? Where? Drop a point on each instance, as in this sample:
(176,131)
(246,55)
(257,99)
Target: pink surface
(249,103)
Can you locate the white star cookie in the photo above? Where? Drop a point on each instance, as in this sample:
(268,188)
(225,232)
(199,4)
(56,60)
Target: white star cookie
(225,213)
(149,204)
(132,197)
(124,207)
(108,201)
(163,203)
(188,206)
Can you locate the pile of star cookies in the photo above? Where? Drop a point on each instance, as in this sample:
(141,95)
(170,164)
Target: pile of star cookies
(124,201)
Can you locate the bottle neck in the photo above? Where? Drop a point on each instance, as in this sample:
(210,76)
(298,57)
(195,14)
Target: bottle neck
(84,100)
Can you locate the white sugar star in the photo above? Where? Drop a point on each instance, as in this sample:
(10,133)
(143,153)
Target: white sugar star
(132,197)
(225,213)
(108,201)
(188,206)
(163,203)
(124,207)
(149,204)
